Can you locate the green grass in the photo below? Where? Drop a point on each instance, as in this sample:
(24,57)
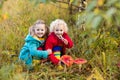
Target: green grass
(99,47)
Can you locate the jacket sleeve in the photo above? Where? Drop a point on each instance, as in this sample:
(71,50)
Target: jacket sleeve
(70,42)
(35,52)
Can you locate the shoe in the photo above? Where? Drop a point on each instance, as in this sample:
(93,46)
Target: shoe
(59,67)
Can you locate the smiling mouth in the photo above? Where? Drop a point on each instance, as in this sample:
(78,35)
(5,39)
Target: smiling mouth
(40,33)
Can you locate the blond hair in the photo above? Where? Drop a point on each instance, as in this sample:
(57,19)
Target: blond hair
(58,22)
(32,28)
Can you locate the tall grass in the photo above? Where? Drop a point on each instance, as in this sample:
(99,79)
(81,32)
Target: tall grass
(98,47)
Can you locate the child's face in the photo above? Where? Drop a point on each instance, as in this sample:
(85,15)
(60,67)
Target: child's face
(40,30)
(59,30)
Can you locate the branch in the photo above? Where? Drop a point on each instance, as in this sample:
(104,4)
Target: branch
(58,6)
(68,3)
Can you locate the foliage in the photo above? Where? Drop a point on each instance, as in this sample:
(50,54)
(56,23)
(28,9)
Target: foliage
(101,35)
(96,37)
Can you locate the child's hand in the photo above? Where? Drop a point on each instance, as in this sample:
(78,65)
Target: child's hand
(60,37)
(63,39)
(49,51)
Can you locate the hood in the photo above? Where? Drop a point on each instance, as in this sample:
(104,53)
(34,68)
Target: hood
(31,38)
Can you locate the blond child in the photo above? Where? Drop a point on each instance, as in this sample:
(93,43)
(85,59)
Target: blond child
(35,38)
(58,40)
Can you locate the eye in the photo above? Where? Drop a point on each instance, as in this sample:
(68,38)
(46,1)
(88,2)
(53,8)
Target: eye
(61,30)
(38,29)
(56,29)
(42,30)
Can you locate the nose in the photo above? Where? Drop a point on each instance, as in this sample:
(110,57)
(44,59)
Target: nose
(41,31)
(59,32)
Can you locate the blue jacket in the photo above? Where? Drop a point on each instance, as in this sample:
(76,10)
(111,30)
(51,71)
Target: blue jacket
(29,50)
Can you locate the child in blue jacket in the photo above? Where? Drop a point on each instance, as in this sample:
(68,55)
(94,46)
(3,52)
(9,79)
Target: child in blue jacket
(34,40)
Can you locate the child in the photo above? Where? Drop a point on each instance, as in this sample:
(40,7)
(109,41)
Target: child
(58,40)
(34,40)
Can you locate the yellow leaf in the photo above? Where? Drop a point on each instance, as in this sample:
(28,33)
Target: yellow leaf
(115,43)
(96,10)
(96,75)
(104,59)
(4,16)
(71,1)
(100,2)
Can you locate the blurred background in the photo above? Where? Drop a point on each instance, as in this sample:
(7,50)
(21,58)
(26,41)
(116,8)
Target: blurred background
(94,26)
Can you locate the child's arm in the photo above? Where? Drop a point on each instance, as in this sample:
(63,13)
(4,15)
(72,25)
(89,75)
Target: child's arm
(38,53)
